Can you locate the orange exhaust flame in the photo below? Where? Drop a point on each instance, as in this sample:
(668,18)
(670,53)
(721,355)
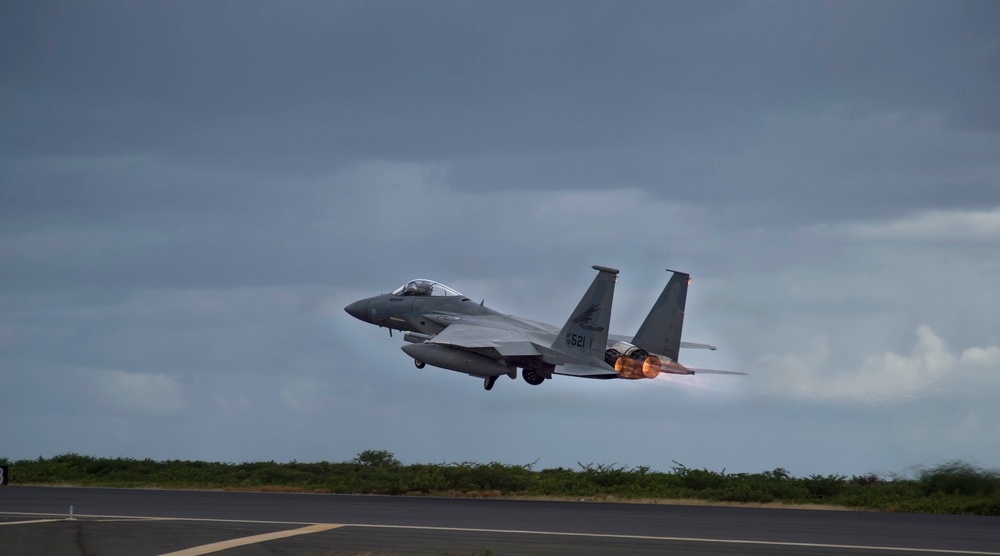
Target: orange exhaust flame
(651,367)
(629,368)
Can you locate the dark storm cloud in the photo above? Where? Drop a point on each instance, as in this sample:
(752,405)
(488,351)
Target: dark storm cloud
(689,102)
(426,80)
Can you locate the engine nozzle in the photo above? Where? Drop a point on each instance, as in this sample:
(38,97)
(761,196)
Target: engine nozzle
(636,363)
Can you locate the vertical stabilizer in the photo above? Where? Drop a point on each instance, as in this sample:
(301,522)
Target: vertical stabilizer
(586,331)
(661,331)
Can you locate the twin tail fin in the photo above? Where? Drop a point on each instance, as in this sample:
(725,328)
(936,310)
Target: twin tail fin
(661,331)
(586,331)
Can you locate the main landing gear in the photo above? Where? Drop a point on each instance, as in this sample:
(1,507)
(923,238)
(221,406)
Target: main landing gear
(532,377)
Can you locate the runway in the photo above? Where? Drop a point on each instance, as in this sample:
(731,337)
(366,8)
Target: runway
(38,520)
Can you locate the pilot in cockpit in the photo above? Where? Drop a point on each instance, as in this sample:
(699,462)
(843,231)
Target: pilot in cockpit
(418,287)
(425,288)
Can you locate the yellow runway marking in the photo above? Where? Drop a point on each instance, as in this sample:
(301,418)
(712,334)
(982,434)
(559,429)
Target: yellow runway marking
(254,539)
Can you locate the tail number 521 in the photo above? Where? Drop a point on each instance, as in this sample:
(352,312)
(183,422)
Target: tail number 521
(576,340)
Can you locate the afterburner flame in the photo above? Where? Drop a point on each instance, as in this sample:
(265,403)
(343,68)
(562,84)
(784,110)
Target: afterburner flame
(651,367)
(629,368)
(634,362)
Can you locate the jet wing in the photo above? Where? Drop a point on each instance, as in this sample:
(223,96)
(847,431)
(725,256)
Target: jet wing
(688,345)
(497,341)
(494,342)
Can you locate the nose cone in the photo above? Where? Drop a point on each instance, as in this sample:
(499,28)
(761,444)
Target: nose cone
(358,309)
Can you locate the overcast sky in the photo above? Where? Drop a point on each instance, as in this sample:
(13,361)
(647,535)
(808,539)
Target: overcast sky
(190,193)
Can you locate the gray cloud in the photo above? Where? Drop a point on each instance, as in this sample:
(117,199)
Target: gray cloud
(190,194)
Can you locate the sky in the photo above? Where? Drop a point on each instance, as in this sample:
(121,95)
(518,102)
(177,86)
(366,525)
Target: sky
(190,193)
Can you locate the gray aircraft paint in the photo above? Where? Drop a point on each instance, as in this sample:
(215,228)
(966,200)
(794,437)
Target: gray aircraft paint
(586,331)
(661,331)
(454,333)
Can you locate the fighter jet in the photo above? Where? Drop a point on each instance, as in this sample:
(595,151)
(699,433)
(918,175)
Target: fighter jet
(446,329)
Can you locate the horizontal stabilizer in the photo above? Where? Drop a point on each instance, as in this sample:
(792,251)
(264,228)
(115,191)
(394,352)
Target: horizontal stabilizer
(692,345)
(713,372)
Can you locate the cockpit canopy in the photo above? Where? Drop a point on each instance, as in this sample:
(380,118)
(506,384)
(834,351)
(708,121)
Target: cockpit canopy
(425,287)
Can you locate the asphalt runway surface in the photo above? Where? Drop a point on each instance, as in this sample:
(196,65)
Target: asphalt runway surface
(38,520)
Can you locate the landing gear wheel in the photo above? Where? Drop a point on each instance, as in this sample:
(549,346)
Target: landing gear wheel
(488,382)
(532,377)
(420,364)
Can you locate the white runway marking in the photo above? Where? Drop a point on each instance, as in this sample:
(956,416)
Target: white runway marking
(32,521)
(690,539)
(254,539)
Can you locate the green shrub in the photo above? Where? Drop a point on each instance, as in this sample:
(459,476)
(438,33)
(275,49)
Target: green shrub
(824,487)
(699,479)
(376,458)
(954,487)
(960,478)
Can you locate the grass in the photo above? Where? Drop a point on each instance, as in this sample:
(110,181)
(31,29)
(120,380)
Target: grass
(952,488)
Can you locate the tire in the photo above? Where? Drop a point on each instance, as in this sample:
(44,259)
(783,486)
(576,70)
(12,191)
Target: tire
(532,377)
